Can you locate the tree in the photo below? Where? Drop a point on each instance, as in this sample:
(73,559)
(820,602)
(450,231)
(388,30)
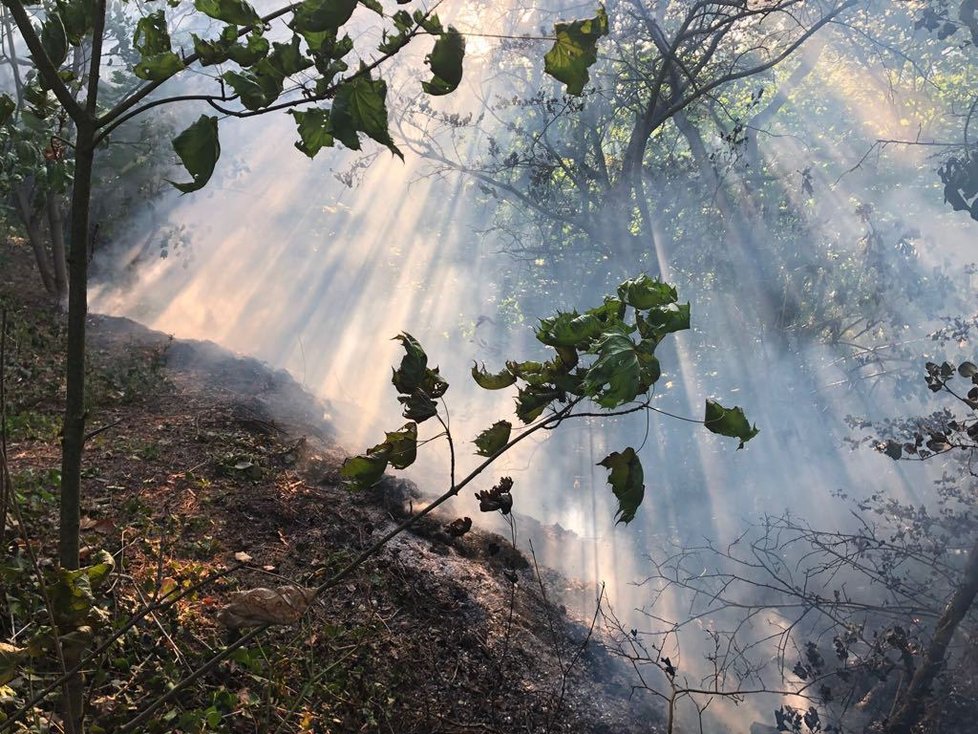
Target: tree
(318,63)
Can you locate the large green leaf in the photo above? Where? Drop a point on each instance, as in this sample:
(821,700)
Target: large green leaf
(252,52)
(414,365)
(322,15)
(494,438)
(365,470)
(626,478)
(255,90)
(575,50)
(445,61)
(569,329)
(531,401)
(235,12)
(285,60)
(492,380)
(729,422)
(418,406)
(227,48)
(54,39)
(622,371)
(152,40)
(315,132)
(199,148)
(645,292)
(360,106)
(77,17)
(663,320)
(403,446)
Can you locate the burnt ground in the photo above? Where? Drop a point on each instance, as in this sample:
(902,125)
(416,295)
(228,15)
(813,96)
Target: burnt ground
(210,473)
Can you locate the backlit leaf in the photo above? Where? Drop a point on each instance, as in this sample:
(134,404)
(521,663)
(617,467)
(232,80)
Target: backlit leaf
(235,12)
(729,422)
(360,106)
(494,438)
(492,380)
(199,148)
(315,132)
(569,329)
(575,50)
(152,40)
(445,61)
(645,292)
(365,470)
(414,364)
(626,478)
(532,401)
(664,320)
(322,15)
(403,446)
(622,371)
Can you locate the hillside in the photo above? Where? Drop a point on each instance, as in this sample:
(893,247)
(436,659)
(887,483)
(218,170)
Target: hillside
(207,473)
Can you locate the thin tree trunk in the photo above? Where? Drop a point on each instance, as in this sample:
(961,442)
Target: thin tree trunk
(74,422)
(35,237)
(912,704)
(57,227)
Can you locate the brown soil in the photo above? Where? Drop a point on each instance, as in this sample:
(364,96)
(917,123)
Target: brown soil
(201,455)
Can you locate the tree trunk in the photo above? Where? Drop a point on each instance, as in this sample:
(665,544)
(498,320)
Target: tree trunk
(57,227)
(911,705)
(35,237)
(74,422)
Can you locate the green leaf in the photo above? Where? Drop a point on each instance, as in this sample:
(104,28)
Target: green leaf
(626,478)
(575,50)
(365,470)
(663,320)
(315,132)
(729,422)
(644,292)
(250,54)
(152,40)
(199,148)
(235,12)
(360,106)
(159,67)
(54,39)
(255,91)
(403,446)
(414,364)
(569,329)
(492,381)
(445,61)
(71,597)
(322,15)
(531,401)
(418,406)
(494,438)
(622,371)
(77,17)
(99,572)
(285,60)
(7,108)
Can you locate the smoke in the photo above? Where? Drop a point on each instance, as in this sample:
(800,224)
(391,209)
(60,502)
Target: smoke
(284,261)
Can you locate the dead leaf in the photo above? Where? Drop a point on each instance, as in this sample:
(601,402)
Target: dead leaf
(242,557)
(254,607)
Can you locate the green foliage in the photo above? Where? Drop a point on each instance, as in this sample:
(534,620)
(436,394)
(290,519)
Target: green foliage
(729,422)
(199,148)
(626,478)
(492,440)
(605,355)
(152,40)
(445,61)
(235,12)
(576,50)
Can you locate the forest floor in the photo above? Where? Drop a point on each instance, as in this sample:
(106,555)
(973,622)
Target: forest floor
(207,473)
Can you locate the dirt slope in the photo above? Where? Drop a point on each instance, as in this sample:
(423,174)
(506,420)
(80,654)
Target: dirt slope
(200,455)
